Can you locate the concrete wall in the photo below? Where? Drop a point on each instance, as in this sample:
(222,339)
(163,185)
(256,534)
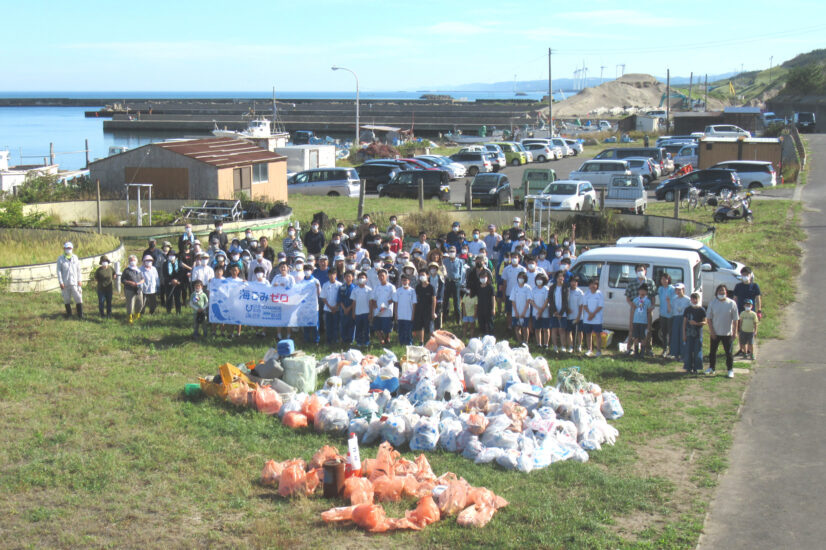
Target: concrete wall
(75,211)
(43,277)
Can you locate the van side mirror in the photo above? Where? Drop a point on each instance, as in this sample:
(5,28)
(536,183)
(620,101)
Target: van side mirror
(706,267)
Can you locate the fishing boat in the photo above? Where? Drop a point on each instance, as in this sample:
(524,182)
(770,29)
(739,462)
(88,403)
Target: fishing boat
(460,138)
(259,128)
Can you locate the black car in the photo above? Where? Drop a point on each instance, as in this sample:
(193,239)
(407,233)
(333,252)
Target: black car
(707,181)
(395,162)
(375,174)
(405,185)
(491,189)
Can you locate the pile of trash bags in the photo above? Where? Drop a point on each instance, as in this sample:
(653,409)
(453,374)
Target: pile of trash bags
(486,400)
(388,478)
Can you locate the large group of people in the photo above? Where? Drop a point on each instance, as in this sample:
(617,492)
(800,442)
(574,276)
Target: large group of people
(371,283)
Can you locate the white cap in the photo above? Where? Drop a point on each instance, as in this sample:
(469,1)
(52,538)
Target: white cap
(148,257)
(68,244)
(517,219)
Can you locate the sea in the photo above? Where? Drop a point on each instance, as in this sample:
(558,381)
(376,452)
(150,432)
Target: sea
(28,132)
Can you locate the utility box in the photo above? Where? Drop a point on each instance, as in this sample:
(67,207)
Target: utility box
(710,151)
(305,157)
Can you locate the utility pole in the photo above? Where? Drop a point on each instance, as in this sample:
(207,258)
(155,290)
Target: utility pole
(601,69)
(87,153)
(690,86)
(550,99)
(705,101)
(51,153)
(667,98)
(771,59)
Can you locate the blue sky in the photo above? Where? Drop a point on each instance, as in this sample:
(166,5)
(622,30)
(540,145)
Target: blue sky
(249,46)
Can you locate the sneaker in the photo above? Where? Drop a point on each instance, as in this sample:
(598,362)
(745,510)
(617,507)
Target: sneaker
(751,356)
(579,349)
(597,354)
(588,353)
(709,371)
(556,349)
(739,353)
(730,374)
(665,354)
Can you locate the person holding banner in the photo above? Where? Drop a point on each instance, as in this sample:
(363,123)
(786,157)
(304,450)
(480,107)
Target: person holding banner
(329,296)
(381,302)
(311,335)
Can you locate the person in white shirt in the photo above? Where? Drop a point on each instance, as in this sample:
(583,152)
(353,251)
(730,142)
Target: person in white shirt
(543,263)
(405,300)
(722,317)
(539,306)
(70,280)
(556,260)
(261,261)
(509,276)
(476,244)
(151,284)
(592,306)
(422,245)
(361,297)
(329,297)
(575,299)
(202,272)
(360,252)
(259,275)
(381,302)
(282,277)
(533,271)
(521,298)
(311,334)
(492,240)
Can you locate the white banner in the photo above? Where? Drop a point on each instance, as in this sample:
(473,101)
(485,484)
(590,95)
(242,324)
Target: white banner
(261,305)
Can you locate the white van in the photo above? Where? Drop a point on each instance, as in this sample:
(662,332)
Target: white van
(716,269)
(616,267)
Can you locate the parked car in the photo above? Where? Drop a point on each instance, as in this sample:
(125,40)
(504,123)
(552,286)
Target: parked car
(455,169)
(605,126)
(536,180)
(568,195)
(615,268)
(575,145)
(643,167)
(805,122)
(396,162)
(685,156)
(541,151)
(521,147)
(717,270)
(375,174)
(626,193)
(562,143)
(491,189)
(406,185)
(706,181)
(725,130)
(475,161)
(599,172)
(501,160)
(557,152)
(656,153)
(333,182)
(663,139)
(753,174)
(514,155)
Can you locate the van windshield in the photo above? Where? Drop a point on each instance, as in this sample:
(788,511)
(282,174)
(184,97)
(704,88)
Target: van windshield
(715,258)
(805,117)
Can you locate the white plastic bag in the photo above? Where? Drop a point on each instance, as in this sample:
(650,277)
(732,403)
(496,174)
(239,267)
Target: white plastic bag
(393,430)
(425,435)
(611,407)
(331,419)
(357,388)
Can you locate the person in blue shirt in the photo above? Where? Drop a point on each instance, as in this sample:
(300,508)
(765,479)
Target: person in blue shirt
(642,308)
(665,297)
(320,273)
(455,270)
(347,305)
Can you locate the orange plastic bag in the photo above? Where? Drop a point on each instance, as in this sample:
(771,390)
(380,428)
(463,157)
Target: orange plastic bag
(517,413)
(295,420)
(326,452)
(445,354)
(311,407)
(386,459)
(423,469)
(404,467)
(313,480)
(410,487)
(426,512)
(475,515)
(333,515)
(359,490)
(454,499)
(267,400)
(446,339)
(476,423)
(241,395)
(293,479)
(389,489)
(371,517)
(479,402)
(368,465)
(395,524)
(271,474)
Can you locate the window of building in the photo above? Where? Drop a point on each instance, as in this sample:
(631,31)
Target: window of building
(260,173)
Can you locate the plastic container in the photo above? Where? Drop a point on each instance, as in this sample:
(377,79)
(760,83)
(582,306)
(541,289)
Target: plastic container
(333,478)
(286,347)
(192,390)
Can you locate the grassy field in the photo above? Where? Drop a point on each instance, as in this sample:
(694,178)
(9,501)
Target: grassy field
(36,246)
(99,447)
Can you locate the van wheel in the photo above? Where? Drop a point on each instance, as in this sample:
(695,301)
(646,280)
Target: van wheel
(515,162)
(541,158)
(332,194)
(472,171)
(755,185)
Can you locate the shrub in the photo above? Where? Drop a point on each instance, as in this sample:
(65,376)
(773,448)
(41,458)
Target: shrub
(35,246)
(11,215)
(435,222)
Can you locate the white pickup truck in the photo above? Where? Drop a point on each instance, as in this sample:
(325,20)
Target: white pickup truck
(626,193)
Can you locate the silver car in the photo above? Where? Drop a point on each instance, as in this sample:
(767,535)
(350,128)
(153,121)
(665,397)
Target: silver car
(644,167)
(575,145)
(333,182)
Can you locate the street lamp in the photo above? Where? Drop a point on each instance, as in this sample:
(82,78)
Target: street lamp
(337,68)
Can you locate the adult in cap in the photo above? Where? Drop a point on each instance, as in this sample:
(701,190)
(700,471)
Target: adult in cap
(453,237)
(132,280)
(516,228)
(70,279)
(218,233)
(158,255)
(151,284)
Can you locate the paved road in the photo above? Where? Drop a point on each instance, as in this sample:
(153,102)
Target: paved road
(774,492)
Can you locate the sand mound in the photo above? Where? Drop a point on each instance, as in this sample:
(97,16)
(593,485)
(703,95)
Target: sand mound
(627,94)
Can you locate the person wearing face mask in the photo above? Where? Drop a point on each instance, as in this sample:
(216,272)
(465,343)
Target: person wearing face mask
(173,278)
(186,260)
(539,308)
(404,299)
(132,280)
(311,333)
(381,304)
(665,296)
(521,298)
(364,228)
(485,304)
(480,269)
(151,285)
(219,259)
(694,318)
(70,279)
(104,281)
(722,318)
(543,263)
(558,310)
(533,270)
(510,275)
(202,271)
(291,245)
(418,261)
(359,251)
(453,238)
(372,242)
(747,289)
(575,298)
(235,247)
(555,262)
(424,314)
(631,293)
(515,229)
(361,312)
(436,280)
(218,233)
(246,242)
(188,237)
(455,270)
(421,245)
(748,329)
(235,260)
(394,241)
(678,306)
(348,308)
(476,244)
(334,247)
(398,229)
(492,240)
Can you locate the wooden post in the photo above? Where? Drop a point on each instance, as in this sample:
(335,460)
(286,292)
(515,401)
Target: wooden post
(361,199)
(676,204)
(468,194)
(51,153)
(667,99)
(87,157)
(602,198)
(100,223)
(421,193)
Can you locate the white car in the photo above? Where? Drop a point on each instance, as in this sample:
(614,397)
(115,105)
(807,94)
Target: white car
(685,156)
(562,143)
(643,167)
(568,195)
(542,152)
(456,170)
(575,145)
(333,182)
(725,130)
(754,174)
(599,172)
(499,161)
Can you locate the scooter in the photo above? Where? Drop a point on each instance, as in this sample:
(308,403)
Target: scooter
(734,208)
